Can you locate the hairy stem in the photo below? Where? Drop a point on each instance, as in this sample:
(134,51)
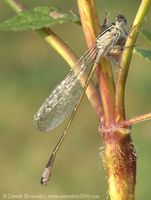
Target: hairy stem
(120,162)
(126,59)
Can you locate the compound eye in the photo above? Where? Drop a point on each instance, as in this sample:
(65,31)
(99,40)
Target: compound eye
(121,19)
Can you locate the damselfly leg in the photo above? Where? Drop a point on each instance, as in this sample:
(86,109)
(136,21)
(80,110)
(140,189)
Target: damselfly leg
(47,171)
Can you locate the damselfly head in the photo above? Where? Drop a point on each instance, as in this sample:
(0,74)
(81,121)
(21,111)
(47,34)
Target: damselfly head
(121,20)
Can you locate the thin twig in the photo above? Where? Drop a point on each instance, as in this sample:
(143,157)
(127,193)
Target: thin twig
(137,119)
(126,59)
(62,48)
(16,5)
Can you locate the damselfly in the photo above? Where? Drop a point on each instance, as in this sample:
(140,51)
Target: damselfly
(67,95)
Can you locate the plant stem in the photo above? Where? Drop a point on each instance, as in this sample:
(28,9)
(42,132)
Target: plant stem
(16,5)
(90,25)
(137,119)
(119,159)
(62,48)
(91,28)
(119,154)
(89,19)
(126,59)
(107,91)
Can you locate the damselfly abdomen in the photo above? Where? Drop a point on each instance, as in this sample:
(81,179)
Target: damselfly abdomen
(67,95)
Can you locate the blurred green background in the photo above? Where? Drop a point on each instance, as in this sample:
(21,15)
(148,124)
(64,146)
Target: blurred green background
(29,70)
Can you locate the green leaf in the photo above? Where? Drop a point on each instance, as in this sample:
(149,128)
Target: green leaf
(147,35)
(37,18)
(145,53)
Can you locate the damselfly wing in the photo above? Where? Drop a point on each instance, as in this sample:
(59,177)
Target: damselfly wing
(62,100)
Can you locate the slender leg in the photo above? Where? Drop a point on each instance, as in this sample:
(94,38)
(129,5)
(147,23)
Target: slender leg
(49,165)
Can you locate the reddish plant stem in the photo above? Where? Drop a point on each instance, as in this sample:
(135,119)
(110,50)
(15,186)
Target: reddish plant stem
(119,159)
(119,155)
(91,27)
(136,120)
(107,91)
(89,20)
